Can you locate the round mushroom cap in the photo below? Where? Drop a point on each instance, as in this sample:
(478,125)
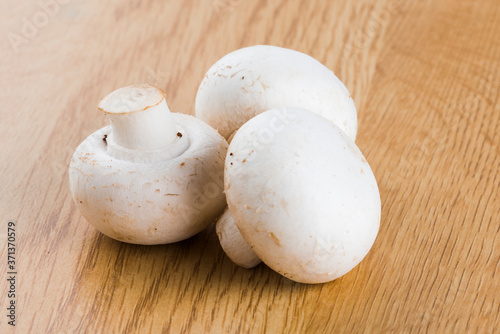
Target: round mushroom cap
(151,197)
(251,80)
(302,195)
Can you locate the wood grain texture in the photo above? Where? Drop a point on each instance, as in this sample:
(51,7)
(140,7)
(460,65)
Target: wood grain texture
(425,76)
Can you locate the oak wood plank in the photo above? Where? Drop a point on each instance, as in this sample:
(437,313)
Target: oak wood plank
(425,76)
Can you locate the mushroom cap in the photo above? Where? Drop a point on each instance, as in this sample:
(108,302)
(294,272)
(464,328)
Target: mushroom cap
(161,196)
(302,195)
(251,80)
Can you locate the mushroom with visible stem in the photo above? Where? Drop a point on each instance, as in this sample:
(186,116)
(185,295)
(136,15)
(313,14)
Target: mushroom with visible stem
(302,196)
(151,176)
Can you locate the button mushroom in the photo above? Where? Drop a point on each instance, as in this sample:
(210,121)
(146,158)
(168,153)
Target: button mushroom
(255,79)
(150,177)
(302,195)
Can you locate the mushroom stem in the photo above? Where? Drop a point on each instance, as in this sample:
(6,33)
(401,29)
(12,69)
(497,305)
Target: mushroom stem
(233,244)
(140,118)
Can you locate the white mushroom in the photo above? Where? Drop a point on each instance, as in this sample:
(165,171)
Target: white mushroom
(252,80)
(302,195)
(151,177)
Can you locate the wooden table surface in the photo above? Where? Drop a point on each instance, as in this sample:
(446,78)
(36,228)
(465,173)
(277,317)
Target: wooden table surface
(425,76)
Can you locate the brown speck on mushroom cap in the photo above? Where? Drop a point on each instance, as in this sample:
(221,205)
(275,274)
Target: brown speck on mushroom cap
(274,238)
(104,139)
(179,134)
